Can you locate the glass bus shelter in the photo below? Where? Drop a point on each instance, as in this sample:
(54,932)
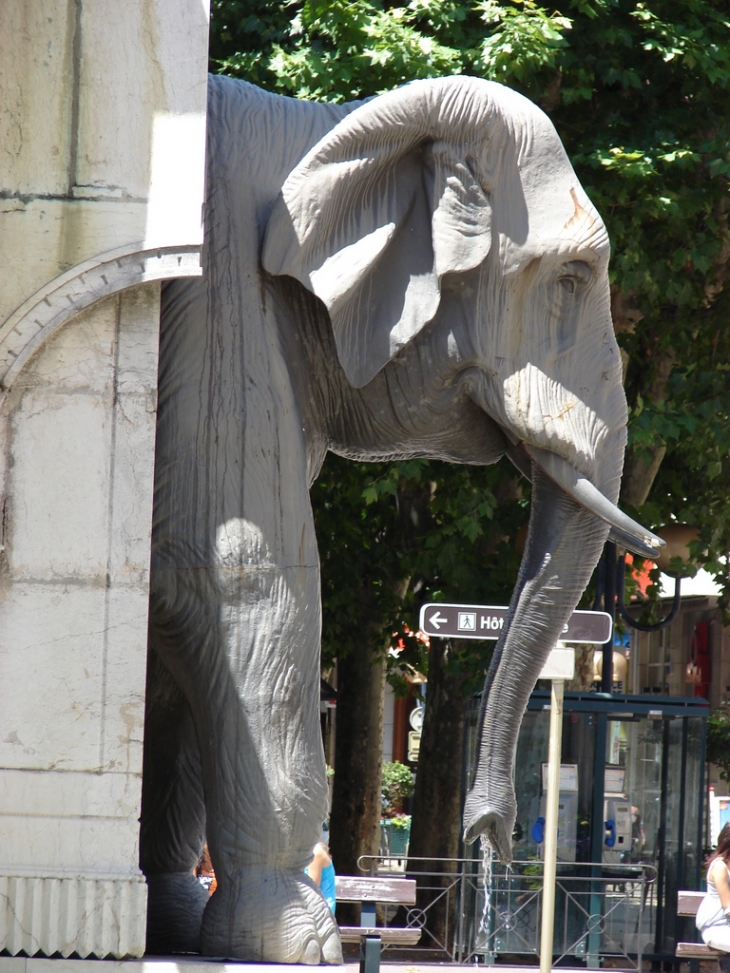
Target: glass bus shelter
(631,822)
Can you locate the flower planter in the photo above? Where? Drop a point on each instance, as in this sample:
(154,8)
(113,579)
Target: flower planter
(395,838)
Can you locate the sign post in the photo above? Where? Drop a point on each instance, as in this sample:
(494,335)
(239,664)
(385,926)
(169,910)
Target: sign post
(559,667)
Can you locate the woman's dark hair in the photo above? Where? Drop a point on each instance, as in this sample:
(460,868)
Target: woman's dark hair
(723,846)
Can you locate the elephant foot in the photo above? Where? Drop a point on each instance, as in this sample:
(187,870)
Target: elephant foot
(270,915)
(175,905)
(481,817)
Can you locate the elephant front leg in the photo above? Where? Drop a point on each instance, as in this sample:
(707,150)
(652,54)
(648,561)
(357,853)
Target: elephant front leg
(242,640)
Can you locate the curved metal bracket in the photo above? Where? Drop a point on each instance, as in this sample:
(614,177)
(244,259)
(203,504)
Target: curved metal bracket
(621,605)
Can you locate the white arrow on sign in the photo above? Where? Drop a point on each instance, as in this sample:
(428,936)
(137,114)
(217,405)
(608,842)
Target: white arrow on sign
(437,621)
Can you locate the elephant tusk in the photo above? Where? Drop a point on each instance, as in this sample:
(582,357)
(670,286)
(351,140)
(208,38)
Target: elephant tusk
(624,530)
(632,543)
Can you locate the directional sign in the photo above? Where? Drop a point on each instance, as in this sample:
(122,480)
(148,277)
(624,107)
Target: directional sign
(487,621)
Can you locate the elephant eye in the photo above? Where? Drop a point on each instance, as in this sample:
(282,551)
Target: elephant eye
(574,275)
(568,284)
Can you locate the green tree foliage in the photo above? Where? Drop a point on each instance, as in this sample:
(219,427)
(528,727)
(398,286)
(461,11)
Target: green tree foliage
(638,92)
(340,51)
(398,535)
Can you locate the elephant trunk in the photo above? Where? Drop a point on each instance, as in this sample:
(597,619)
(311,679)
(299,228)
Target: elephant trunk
(563,546)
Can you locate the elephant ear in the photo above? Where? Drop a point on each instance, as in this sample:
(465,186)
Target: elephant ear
(379,211)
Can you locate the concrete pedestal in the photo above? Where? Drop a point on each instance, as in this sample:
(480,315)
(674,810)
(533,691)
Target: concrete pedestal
(78,432)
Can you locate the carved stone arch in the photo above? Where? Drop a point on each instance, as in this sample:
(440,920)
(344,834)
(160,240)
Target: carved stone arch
(40,317)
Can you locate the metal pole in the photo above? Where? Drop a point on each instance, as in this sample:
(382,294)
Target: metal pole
(598,834)
(702,817)
(609,552)
(661,903)
(462,909)
(551,825)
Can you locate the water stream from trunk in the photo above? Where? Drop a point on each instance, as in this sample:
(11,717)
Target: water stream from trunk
(487,859)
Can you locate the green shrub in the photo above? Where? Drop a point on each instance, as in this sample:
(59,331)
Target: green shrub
(398,782)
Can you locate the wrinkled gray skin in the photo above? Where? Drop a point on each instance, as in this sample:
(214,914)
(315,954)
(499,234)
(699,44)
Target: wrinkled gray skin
(420,275)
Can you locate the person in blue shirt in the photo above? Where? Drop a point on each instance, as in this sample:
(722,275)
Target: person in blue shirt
(322,871)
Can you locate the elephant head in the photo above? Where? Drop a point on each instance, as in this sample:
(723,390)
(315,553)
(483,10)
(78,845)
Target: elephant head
(444,220)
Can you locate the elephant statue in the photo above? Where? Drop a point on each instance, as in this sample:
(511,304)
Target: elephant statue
(420,274)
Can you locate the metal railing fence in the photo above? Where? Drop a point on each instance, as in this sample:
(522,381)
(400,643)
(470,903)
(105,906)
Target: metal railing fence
(601,910)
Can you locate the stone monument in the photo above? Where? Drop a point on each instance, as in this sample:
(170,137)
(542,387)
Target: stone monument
(416,275)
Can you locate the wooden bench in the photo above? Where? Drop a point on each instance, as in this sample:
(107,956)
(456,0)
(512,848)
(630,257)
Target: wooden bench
(687,905)
(369,891)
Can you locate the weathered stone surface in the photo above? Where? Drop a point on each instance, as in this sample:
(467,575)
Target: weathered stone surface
(102,127)
(102,123)
(71,915)
(77,448)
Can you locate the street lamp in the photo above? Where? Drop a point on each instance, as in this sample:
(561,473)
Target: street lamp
(610,586)
(678,538)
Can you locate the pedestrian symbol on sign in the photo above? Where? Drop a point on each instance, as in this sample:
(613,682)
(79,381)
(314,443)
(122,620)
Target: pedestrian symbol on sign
(467,621)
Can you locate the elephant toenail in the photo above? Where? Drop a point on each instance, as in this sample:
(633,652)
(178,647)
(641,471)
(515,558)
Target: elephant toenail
(311,954)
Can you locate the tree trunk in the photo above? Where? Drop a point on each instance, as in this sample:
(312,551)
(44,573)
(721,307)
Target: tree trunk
(642,465)
(583,678)
(436,803)
(639,474)
(356,803)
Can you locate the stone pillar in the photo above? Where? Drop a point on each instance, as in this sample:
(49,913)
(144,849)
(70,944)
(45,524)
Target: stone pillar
(102,123)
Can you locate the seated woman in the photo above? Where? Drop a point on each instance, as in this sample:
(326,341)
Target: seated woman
(713,915)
